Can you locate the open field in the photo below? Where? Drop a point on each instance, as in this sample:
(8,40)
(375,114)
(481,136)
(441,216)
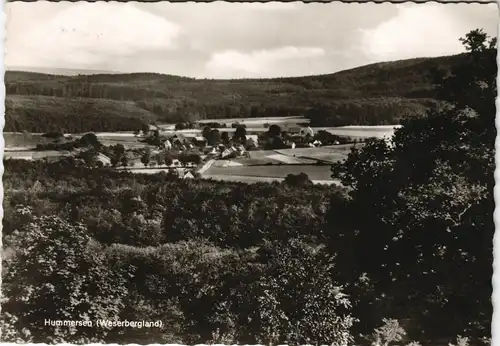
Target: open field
(361,131)
(19,140)
(227,163)
(128,142)
(259,122)
(290,160)
(315,172)
(34,155)
(342,148)
(330,154)
(300,155)
(249,130)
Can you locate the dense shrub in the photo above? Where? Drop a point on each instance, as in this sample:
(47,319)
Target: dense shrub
(57,273)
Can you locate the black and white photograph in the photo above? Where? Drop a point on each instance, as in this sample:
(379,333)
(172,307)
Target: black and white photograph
(249,173)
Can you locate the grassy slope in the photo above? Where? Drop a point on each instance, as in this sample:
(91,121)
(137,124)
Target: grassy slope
(65,100)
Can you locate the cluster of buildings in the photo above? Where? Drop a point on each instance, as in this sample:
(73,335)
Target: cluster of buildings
(295,136)
(188,141)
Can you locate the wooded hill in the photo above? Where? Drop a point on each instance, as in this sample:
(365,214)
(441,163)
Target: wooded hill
(375,94)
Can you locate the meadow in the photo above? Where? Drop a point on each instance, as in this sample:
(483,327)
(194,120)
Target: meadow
(361,131)
(26,140)
(259,122)
(34,155)
(315,172)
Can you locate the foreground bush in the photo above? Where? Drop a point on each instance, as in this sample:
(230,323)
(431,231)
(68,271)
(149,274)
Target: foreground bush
(58,273)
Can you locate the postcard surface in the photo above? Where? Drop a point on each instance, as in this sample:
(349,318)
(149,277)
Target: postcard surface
(266,173)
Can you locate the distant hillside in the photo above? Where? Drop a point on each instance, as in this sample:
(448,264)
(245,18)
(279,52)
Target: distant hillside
(36,113)
(58,71)
(380,93)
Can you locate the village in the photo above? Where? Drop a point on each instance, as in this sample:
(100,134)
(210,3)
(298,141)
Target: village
(188,154)
(189,150)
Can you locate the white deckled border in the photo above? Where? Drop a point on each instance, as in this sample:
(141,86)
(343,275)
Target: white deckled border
(3,37)
(495,324)
(495,327)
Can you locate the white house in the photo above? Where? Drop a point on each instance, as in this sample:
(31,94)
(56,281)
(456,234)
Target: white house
(226,153)
(240,150)
(106,161)
(253,138)
(188,175)
(200,140)
(168,145)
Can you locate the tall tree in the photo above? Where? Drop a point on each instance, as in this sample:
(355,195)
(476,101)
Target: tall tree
(240,133)
(224,137)
(426,200)
(299,302)
(146,157)
(274,131)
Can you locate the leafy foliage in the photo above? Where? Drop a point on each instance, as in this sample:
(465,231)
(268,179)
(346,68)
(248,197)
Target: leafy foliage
(299,301)
(53,276)
(426,198)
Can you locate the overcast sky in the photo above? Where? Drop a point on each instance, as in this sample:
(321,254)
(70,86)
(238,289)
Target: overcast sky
(224,40)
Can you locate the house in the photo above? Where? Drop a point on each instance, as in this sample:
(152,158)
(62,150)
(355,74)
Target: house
(317,143)
(179,172)
(188,175)
(210,150)
(200,141)
(176,163)
(177,142)
(106,161)
(252,141)
(240,150)
(167,145)
(227,152)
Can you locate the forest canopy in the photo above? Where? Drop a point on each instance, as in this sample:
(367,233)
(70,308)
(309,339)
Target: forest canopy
(377,94)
